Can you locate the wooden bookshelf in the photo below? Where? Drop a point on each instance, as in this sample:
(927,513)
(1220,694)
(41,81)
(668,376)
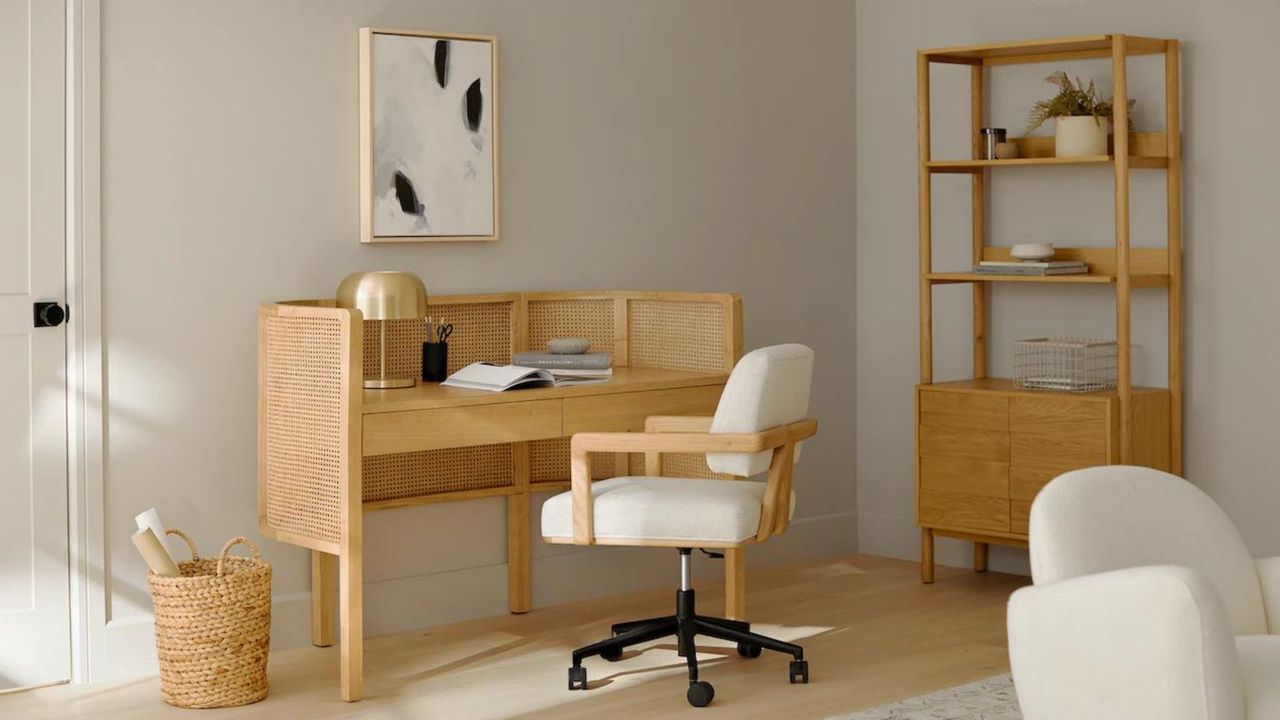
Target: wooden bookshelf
(985,447)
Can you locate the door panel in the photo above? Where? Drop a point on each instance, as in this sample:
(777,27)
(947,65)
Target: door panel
(35,640)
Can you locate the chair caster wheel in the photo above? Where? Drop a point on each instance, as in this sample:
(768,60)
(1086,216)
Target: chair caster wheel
(612,655)
(700,694)
(577,678)
(749,650)
(800,672)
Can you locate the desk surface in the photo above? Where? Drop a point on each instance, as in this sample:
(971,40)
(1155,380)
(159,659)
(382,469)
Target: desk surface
(426,396)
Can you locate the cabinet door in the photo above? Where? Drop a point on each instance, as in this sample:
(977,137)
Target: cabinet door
(1053,435)
(964,461)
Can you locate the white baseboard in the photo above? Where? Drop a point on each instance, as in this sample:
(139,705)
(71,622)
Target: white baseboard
(425,600)
(897,536)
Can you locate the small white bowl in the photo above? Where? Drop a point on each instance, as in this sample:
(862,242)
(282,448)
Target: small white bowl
(568,346)
(1032,251)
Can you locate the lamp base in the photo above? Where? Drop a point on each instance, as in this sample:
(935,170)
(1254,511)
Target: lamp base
(388,383)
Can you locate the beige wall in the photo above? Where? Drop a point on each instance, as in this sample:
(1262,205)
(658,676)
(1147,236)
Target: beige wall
(661,144)
(1232,346)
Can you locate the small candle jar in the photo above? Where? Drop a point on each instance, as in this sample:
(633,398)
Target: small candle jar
(990,137)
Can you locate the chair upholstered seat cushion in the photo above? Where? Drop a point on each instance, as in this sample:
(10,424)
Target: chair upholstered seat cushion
(1260,667)
(662,508)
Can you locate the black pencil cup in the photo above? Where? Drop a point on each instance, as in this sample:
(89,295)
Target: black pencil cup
(435,361)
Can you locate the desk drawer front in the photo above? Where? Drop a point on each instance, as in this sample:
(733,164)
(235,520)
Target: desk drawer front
(414,430)
(626,412)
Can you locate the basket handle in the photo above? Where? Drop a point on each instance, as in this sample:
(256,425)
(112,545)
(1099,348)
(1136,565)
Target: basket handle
(191,544)
(241,540)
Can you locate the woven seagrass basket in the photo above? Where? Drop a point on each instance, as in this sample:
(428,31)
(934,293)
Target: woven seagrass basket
(213,628)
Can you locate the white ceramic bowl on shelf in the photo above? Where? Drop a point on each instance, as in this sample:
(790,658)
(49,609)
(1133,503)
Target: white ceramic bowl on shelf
(1032,251)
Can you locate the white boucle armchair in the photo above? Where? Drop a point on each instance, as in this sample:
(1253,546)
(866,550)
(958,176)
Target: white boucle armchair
(1146,604)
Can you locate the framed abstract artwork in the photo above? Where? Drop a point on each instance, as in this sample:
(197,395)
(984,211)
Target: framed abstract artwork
(428,136)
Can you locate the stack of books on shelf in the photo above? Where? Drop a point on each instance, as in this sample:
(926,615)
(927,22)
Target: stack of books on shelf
(581,369)
(1025,267)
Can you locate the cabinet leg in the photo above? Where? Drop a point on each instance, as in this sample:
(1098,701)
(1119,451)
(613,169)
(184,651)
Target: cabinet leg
(735,584)
(519,585)
(351,588)
(926,555)
(324,598)
(980,552)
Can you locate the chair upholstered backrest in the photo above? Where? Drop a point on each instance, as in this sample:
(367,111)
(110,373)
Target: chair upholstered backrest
(767,388)
(1108,518)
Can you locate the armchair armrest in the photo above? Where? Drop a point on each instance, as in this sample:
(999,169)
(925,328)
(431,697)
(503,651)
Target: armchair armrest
(1269,577)
(583,444)
(1140,642)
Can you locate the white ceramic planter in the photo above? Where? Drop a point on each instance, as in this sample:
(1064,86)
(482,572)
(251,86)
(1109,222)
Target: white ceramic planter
(1079,136)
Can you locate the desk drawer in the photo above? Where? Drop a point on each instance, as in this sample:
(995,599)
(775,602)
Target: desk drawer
(412,430)
(625,412)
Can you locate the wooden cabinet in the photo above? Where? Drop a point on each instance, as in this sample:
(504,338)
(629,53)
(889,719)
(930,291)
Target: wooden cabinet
(985,449)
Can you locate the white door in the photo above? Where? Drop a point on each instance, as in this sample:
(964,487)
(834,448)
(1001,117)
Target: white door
(35,635)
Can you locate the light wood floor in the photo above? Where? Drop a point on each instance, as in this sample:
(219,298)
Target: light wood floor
(871,631)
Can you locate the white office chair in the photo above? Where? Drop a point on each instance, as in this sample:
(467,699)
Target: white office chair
(760,418)
(1146,604)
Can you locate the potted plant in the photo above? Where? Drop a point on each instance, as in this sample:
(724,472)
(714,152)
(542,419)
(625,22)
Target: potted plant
(1078,113)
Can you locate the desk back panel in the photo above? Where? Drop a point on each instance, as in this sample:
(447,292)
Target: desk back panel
(667,330)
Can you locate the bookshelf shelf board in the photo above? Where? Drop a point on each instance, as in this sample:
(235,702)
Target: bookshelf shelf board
(1004,386)
(976,166)
(1138,281)
(1046,50)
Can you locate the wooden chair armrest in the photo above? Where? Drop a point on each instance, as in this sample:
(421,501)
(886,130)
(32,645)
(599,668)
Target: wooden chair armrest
(583,444)
(677,423)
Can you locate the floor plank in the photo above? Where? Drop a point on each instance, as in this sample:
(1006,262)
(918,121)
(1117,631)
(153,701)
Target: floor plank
(871,631)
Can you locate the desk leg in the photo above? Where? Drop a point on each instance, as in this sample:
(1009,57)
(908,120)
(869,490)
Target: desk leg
(324,597)
(351,587)
(519,580)
(735,584)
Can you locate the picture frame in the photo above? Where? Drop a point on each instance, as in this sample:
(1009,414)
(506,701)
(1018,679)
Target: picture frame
(429,139)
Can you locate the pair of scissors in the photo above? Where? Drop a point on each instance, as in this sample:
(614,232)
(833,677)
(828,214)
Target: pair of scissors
(445,331)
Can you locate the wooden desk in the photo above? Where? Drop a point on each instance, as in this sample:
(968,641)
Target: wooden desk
(330,451)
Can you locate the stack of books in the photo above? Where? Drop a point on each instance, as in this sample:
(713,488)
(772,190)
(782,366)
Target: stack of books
(1025,267)
(581,369)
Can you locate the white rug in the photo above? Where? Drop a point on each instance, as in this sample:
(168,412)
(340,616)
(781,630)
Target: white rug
(990,699)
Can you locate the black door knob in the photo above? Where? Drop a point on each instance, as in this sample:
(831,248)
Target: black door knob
(49,314)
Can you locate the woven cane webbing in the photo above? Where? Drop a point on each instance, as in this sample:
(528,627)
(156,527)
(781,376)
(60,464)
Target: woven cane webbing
(402,475)
(549,460)
(591,319)
(677,335)
(481,332)
(302,423)
(404,348)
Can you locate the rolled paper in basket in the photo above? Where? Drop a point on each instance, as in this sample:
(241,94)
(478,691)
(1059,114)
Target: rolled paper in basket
(153,552)
(151,519)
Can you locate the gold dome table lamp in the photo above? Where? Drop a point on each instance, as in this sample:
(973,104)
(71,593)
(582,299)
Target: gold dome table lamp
(384,295)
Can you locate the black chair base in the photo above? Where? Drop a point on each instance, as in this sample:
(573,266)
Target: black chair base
(685,625)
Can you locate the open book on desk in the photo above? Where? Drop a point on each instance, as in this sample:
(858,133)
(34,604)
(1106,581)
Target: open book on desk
(497,378)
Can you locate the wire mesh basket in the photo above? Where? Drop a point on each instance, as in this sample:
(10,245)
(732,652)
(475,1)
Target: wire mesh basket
(1064,364)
